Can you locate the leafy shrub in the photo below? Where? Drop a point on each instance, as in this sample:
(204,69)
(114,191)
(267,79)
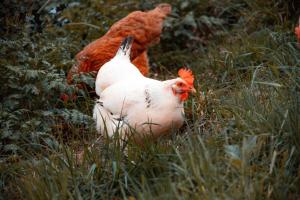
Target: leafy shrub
(241,139)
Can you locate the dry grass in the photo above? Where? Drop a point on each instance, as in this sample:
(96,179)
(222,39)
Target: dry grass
(242,134)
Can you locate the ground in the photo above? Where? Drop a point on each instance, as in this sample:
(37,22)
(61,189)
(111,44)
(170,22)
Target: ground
(241,139)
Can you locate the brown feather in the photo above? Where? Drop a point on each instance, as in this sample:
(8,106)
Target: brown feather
(145,27)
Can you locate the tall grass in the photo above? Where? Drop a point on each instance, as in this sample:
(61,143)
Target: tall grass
(241,139)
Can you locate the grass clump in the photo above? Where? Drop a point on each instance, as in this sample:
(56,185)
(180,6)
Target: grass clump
(242,135)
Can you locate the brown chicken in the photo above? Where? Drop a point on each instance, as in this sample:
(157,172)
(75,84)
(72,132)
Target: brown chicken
(297,31)
(145,27)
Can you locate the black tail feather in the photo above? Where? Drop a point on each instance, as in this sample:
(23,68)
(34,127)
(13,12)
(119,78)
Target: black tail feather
(125,46)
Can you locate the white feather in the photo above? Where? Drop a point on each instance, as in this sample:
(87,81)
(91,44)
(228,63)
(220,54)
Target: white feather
(147,105)
(128,100)
(117,69)
(108,123)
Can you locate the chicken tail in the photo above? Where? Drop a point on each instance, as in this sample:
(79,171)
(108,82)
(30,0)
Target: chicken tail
(125,47)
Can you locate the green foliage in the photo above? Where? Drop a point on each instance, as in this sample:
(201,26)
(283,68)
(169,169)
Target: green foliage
(242,135)
(32,82)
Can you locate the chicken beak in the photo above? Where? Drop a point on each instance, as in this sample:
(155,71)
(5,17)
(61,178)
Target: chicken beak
(193,90)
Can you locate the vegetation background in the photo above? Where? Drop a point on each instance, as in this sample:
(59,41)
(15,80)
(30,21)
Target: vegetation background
(242,134)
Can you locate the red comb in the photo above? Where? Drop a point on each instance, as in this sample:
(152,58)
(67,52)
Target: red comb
(186,75)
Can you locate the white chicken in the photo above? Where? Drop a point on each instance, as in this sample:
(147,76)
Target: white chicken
(130,101)
(118,68)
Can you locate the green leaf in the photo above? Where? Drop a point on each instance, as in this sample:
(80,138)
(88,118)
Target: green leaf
(11,148)
(189,20)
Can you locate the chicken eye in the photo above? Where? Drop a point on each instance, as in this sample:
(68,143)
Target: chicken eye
(180,84)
